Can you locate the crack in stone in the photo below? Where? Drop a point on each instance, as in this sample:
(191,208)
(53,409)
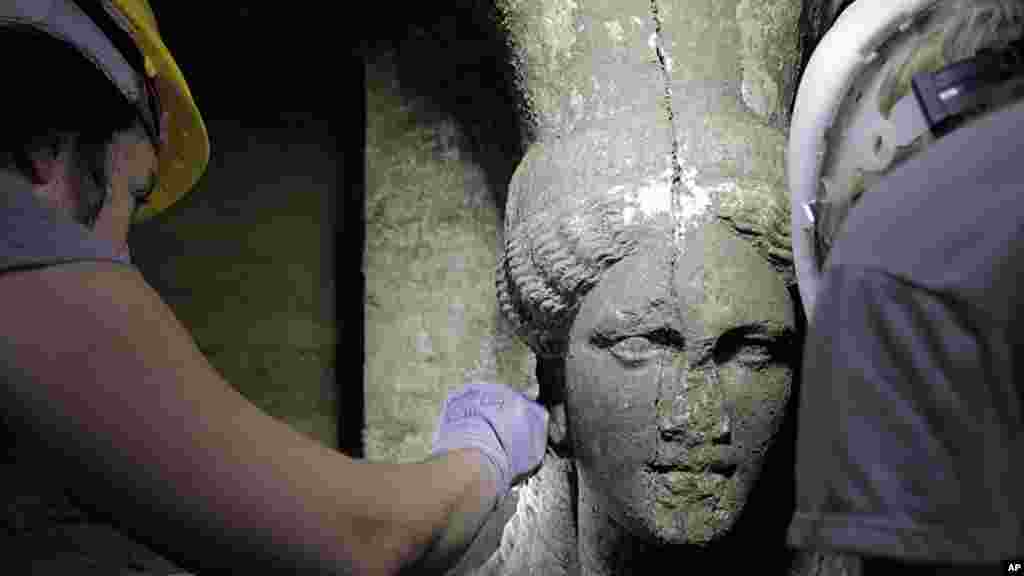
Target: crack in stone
(677,170)
(677,176)
(676,205)
(659,399)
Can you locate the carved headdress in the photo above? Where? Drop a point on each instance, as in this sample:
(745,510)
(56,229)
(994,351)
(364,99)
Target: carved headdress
(577,205)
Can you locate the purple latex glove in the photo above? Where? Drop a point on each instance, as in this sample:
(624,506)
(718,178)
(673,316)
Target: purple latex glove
(504,424)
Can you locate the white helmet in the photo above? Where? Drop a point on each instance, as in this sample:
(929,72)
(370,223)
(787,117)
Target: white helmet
(887,80)
(121,38)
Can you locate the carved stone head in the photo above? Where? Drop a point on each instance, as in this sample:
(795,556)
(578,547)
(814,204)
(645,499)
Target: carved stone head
(675,327)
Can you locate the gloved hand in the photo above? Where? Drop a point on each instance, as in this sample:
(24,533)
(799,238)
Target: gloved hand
(504,424)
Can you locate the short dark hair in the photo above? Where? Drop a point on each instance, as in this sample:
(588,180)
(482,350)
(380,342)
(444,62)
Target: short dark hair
(52,91)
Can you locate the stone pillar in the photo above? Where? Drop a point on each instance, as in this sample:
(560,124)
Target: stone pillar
(652,95)
(694,96)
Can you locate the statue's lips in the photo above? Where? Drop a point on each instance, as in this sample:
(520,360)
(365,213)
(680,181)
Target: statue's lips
(717,459)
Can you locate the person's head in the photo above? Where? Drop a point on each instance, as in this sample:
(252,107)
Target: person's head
(677,356)
(97,112)
(861,151)
(70,132)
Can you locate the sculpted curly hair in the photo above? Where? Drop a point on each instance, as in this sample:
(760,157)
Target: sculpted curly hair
(551,261)
(553,257)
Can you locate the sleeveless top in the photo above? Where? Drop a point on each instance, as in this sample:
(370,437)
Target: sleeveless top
(45,533)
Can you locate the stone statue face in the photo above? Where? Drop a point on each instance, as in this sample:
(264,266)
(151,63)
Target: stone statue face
(677,378)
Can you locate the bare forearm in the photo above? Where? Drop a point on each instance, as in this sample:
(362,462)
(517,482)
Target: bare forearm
(148,431)
(471,500)
(382,518)
(284,501)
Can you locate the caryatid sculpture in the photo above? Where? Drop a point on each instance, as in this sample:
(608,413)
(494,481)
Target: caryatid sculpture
(648,265)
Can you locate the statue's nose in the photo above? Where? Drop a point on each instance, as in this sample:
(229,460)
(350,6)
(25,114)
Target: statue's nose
(695,410)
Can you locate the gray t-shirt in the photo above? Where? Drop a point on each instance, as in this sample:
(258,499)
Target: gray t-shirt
(35,235)
(911,420)
(45,533)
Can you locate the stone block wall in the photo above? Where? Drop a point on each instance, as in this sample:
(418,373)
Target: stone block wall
(432,234)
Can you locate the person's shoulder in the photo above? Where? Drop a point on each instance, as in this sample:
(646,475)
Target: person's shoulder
(948,219)
(93,323)
(49,289)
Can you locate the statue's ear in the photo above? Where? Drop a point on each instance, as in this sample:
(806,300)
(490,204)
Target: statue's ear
(551,377)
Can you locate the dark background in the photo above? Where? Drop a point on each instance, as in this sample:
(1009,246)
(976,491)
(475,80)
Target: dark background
(262,66)
(256,59)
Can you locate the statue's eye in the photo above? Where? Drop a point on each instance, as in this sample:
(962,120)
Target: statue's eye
(636,350)
(750,349)
(754,354)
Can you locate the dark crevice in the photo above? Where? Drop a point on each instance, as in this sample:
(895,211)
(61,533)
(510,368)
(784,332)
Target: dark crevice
(574,498)
(726,469)
(677,183)
(677,175)
(664,336)
(456,62)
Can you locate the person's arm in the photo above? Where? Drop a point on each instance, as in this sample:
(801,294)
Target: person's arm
(102,373)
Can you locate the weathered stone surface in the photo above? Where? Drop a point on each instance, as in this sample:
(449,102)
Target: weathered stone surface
(581,61)
(540,537)
(696,159)
(666,108)
(432,234)
(600,158)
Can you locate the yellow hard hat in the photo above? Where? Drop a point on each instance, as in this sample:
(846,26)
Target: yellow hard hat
(185,152)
